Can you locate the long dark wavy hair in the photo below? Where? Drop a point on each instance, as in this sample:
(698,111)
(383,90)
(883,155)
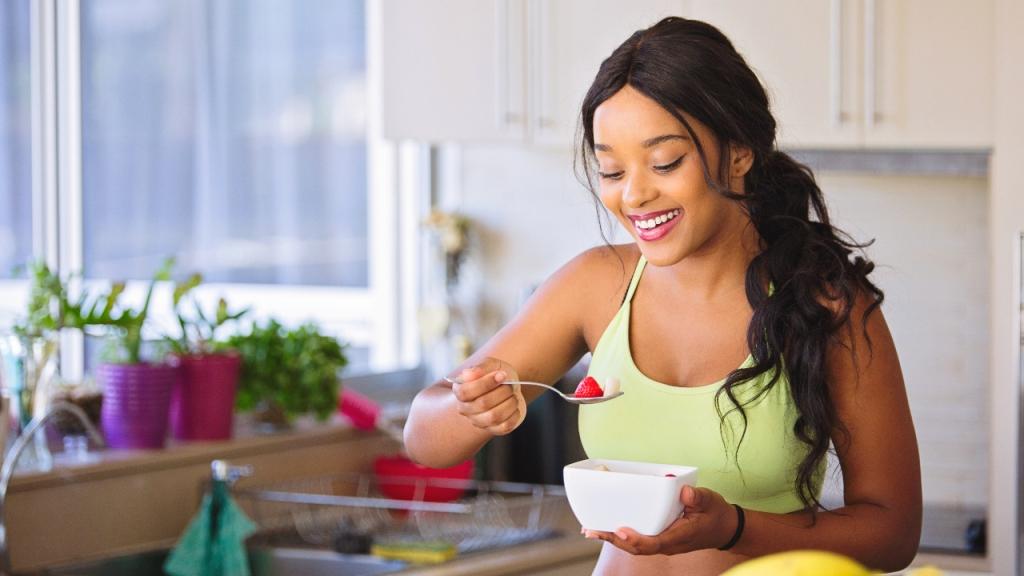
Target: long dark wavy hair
(817,271)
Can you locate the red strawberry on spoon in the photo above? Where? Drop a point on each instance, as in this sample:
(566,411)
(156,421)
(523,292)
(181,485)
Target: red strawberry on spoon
(589,388)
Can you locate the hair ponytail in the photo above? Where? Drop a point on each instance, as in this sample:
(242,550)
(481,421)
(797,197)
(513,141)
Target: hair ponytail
(816,285)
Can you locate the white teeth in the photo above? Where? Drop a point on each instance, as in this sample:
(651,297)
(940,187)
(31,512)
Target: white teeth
(656,221)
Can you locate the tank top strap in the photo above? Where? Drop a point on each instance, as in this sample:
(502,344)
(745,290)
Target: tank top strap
(636,279)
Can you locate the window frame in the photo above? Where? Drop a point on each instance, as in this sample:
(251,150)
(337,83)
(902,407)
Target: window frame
(381,315)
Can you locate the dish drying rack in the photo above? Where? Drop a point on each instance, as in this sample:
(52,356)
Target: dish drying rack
(488,515)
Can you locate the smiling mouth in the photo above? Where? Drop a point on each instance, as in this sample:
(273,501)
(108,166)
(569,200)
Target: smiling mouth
(646,225)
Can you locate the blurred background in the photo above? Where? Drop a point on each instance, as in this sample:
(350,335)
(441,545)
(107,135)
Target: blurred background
(401,172)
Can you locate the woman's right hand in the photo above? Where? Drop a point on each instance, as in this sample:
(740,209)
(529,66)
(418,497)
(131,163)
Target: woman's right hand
(486,402)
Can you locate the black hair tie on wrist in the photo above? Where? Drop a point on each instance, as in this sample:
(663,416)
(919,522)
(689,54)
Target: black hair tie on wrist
(739,528)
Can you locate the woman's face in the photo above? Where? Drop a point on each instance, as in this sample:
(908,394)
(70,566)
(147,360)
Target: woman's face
(652,180)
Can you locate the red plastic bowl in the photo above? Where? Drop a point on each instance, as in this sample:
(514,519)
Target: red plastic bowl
(402,479)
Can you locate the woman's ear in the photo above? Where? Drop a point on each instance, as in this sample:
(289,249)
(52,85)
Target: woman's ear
(741,159)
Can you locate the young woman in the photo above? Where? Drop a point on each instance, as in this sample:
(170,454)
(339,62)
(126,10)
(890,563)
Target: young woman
(742,326)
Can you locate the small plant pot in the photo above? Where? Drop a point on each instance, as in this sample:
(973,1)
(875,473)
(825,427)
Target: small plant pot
(136,403)
(203,401)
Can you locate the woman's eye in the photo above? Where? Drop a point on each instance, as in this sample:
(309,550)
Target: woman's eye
(671,165)
(610,175)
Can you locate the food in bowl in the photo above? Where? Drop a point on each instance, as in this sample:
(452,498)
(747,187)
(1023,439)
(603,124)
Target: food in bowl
(609,494)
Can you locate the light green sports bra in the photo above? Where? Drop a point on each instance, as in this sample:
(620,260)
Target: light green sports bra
(655,422)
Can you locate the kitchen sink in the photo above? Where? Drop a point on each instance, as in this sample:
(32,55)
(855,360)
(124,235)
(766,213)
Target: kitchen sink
(262,561)
(306,562)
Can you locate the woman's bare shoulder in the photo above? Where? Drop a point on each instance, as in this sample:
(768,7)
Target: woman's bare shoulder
(598,279)
(604,271)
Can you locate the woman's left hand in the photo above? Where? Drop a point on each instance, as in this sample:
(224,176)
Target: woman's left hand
(708,521)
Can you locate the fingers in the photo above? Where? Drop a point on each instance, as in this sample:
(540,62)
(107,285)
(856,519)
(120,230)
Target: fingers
(508,409)
(629,540)
(488,404)
(483,403)
(475,382)
(697,529)
(694,499)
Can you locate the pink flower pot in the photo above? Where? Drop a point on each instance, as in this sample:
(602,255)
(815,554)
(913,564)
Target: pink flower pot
(203,402)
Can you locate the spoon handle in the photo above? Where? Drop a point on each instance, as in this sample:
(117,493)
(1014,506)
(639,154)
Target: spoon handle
(525,383)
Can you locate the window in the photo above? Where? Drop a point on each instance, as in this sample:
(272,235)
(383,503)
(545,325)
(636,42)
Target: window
(237,136)
(231,134)
(15,142)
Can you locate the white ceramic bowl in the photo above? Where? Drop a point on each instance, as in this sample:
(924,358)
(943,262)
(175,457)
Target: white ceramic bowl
(637,495)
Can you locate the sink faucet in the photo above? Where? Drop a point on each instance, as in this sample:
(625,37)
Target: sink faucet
(7,471)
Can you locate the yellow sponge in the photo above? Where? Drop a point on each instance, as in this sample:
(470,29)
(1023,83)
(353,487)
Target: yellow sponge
(415,552)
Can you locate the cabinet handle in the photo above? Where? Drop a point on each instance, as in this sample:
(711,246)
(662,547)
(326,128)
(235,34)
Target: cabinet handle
(871,114)
(836,62)
(539,23)
(502,18)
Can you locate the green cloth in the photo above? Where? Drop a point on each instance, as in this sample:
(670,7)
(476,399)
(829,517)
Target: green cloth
(214,541)
(657,422)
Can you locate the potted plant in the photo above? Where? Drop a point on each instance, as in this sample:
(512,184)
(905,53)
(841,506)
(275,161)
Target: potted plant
(286,373)
(31,349)
(203,401)
(136,393)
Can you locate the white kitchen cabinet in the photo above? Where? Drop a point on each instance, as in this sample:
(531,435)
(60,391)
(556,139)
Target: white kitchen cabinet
(570,39)
(453,69)
(868,73)
(929,79)
(498,70)
(805,53)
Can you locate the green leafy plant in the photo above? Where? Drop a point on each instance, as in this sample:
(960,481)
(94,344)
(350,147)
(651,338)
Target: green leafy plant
(125,347)
(198,329)
(294,370)
(51,308)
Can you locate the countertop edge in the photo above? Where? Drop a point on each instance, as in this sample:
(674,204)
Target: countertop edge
(514,560)
(116,463)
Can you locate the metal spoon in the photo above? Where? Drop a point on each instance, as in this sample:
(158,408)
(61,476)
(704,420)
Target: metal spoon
(567,397)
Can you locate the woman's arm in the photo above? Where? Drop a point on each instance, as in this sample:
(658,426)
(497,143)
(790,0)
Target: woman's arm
(540,344)
(880,523)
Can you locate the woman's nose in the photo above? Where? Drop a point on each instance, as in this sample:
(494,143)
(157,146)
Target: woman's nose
(637,191)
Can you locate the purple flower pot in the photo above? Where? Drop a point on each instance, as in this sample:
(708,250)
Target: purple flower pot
(136,402)
(203,402)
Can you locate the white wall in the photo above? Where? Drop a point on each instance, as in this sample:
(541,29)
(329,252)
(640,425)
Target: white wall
(931,247)
(931,251)
(1007,217)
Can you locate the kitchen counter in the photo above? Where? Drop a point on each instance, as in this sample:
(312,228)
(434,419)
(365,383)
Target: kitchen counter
(125,502)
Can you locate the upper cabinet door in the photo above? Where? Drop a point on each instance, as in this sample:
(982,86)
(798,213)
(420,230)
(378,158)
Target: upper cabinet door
(568,40)
(452,69)
(929,73)
(806,54)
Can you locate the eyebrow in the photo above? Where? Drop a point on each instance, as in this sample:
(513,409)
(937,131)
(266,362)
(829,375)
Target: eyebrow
(649,143)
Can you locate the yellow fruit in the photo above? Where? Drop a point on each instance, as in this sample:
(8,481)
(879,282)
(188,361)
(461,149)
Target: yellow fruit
(926,571)
(799,563)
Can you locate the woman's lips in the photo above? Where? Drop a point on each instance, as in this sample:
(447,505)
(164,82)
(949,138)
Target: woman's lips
(659,231)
